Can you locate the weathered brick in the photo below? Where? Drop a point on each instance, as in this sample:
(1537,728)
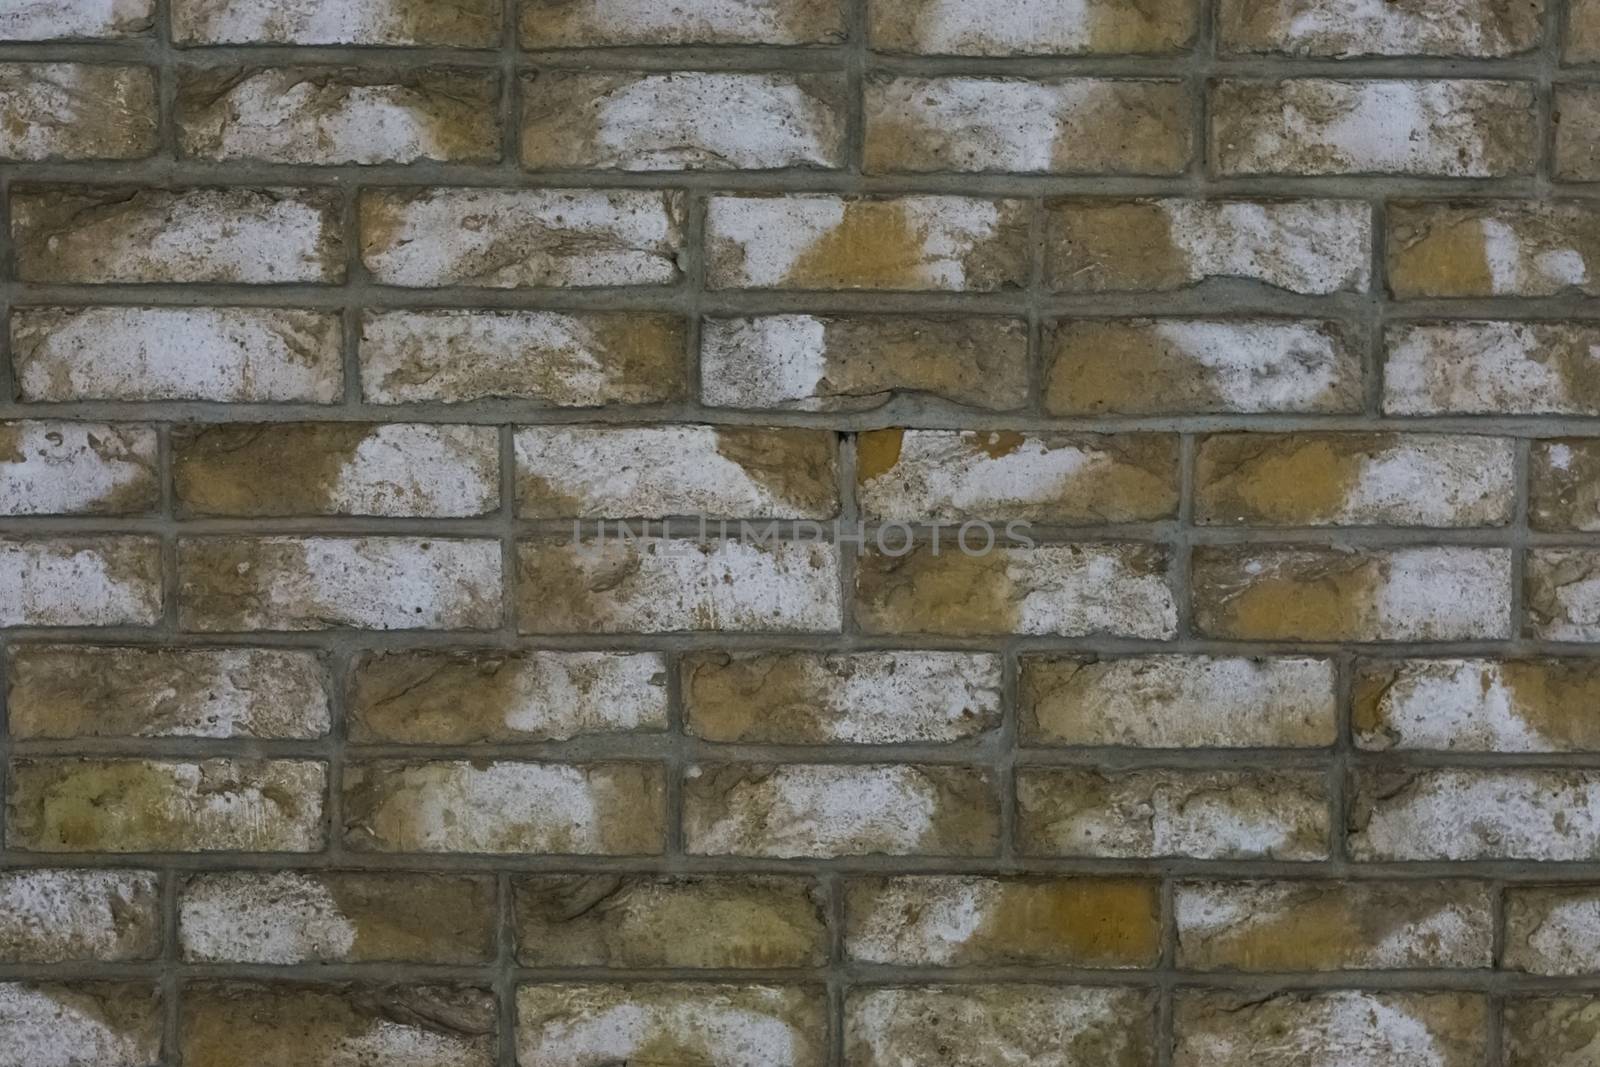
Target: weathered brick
(683,120)
(928,475)
(591,23)
(130,805)
(1305,246)
(284,917)
(852,363)
(76,111)
(1442,128)
(80,581)
(1235,1029)
(82,1024)
(1477,705)
(505,807)
(1265,593)
(510,238)
(950,921)
(1564,489)
(1177,702)
(1479,28)
(1554,931)
(1577,123)
(822,241)
(59,916)
(241,355)
(1040,1025)
(83,19)
(1583,31)
(67,691)
(1562,590)
(660,585)
(819,698)
(574,1025)
(235,1024)
(659,471)
(326,115)
(461,23)
(1334,926)
(799,809)
(1072,590)
(1059,126)
(109,234)
(1451,814)
(1171,366)
(336,468)
(561,360)
(316,583)
(1552,1031)
(77,468)
(1493,248)
(1040,27)
(1491,368)
(1355,479)
(575,920)
(462,697)
(1240,814)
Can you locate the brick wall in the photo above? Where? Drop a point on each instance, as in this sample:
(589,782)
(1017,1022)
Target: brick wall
(1274,742)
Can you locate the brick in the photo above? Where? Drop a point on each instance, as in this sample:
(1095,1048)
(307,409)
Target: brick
(1331,926)
(80,581)
(1478,28)
(287,917)
(103,1024)
(1173,366)
(132,805)
(1553,931)
(505,807)
(575,1025)
(1439,128)
(1583,32)
(1071,590)
(1040,1025)
(85,19)
(1564,474)
(571,920)
(820,698)
(336,468)
(1551,1031)
(77,468)
(243,236)
(290,1024)
(327,115)
(664,585)
(962,921)
(70,691)
(683,120)
(1041,27)
(464,24)
(1493,248)
(317,583)
(1577,122)
(548,358)
(822,241)
(76,111)
(241,355)
(821,810)
(1266,593)
(853,363)
(1229,1029)
(1450,814)
(510,238)
(463,697)
(1499,368)
(60,916)
(1562,591)
(1241,814)
(1177,702)
(592,23)
(1304,246)
(1477,705)
(659,471)
(1058,126)
(928,475)
(1355,479)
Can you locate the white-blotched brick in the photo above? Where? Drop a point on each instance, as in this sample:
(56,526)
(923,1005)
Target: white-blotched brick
(76,111)
(47,20)
(106,1024)
(1247,1029)
(1492,368)
(1477,705)
(77,468)
(593,23)
(56,916)
(1341,28)
(1449,814)
(81,581)
(1030,27)
(463,23)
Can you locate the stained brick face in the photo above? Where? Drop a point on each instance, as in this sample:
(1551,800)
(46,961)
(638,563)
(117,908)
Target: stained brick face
(799,533)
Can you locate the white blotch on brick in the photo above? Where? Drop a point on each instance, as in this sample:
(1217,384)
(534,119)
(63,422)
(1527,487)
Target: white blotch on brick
(1262,365)
(1085,589)
(49,916)
(415,469)
(279,918)
(52,1026)
(75,583)
(789,370)
(1304,246)
(1454,705)
(998,27)
(1478,368)
(43,20)
(1554,932)
(60,468)
(1477,815)
(375,22)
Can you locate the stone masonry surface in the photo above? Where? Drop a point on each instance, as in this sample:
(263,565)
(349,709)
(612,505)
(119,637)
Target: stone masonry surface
(339,727)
